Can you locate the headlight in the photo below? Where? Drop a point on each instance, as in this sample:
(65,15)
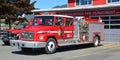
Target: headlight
(27,35)
(31,36)
(41,37)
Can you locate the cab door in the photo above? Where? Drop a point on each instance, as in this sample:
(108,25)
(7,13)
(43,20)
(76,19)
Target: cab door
(68,28)
(59,27)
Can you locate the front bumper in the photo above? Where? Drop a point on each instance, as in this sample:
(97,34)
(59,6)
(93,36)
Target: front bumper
(27,44)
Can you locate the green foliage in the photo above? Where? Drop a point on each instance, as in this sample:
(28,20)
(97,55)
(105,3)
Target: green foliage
(13,9)
(10,10)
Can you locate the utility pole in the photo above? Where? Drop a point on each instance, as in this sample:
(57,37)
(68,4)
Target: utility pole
(0,23)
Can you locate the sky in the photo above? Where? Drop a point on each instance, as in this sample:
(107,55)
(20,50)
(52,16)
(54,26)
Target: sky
(48,4)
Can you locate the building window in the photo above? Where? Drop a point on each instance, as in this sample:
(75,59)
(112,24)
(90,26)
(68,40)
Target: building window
(94,17)
(77,2)
(111,22)
(112,1)
(83,2)
(115,22)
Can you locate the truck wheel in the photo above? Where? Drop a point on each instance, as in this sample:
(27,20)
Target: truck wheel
(6,43)
(96,42)
(5,40)
(50,47)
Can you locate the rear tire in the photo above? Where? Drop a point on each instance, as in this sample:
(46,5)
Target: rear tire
(50,47)
(96,41)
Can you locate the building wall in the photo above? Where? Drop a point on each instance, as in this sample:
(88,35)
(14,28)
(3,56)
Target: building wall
(110,17)
(71,3)
(99,2)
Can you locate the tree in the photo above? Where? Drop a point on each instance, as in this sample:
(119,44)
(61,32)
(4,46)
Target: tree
(14,8)
(11,9)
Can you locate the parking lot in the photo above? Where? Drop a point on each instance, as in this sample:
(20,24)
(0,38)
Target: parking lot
(106,51)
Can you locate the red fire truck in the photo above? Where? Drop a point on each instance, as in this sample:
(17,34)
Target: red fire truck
(52,31)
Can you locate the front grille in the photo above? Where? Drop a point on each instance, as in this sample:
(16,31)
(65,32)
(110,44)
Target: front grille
(3,34)
(27,35)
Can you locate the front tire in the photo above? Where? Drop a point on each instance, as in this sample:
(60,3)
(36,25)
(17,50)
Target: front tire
(50,47)
(6,43)
(5,40)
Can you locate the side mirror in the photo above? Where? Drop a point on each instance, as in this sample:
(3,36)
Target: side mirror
(30,22)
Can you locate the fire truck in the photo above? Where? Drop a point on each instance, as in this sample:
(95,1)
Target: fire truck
(51,31)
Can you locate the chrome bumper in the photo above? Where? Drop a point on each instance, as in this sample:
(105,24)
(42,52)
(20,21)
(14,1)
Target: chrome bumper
(27,44)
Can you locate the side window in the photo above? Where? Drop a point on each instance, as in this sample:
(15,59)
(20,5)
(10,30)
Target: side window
(59,21)
(49,22)
(38,21)
(68,22)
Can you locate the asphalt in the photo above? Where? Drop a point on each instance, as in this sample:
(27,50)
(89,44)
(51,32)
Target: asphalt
(106,51)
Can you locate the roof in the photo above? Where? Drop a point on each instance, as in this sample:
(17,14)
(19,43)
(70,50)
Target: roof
(57,16)
(79,8)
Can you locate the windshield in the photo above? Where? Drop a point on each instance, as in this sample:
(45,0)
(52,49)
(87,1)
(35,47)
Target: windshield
(43,20)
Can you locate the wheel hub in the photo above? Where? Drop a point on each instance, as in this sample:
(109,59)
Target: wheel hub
(96,42)
(51,46)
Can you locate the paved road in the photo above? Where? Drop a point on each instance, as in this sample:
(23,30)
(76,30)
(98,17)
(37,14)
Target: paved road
(107,51)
